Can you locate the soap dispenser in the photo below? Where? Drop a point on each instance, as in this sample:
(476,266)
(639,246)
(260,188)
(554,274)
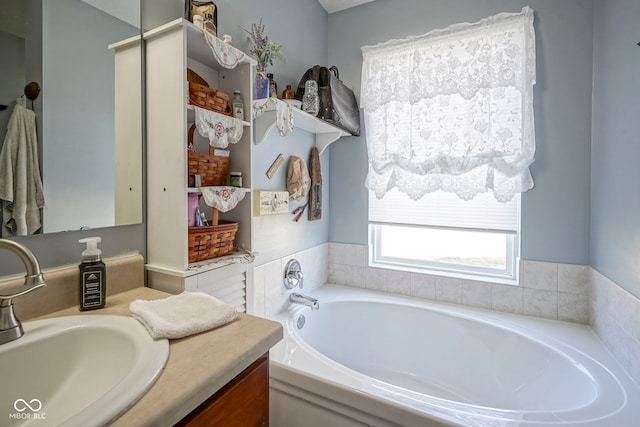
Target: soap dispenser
(93,276)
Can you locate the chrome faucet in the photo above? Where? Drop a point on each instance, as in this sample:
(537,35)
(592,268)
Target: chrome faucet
(304,300)
(293,277)
(10,326)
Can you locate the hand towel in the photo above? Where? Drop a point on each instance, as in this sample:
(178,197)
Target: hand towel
(182,315)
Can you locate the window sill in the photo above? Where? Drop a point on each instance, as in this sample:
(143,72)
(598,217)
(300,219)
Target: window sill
(501,280)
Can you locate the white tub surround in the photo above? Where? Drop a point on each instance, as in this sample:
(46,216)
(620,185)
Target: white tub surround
(367,357)
(614,314)
(547,290)
(270,295)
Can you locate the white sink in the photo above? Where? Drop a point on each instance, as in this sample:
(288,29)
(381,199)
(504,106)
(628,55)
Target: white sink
(77,370)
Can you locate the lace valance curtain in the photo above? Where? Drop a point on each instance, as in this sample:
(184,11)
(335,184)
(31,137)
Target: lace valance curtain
(452,110)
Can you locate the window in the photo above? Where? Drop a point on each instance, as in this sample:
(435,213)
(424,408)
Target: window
(442,234)
(450,137)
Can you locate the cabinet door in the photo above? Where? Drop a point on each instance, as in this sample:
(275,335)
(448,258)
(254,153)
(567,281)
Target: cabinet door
(243,402)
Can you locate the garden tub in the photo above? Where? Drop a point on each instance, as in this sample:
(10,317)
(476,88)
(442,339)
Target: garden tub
(367,358)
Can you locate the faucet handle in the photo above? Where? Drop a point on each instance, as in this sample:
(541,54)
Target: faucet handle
(10,326)
(293,274)
(23,292)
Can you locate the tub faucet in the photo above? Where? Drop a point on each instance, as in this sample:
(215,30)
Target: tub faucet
(293,276)
(304,300)
(10,326)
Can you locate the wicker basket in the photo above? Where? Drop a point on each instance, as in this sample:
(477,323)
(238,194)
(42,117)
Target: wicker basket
(211,241)
(211,99)
(202,95)
(213,170)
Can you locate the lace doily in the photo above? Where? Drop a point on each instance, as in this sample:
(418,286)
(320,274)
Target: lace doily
(222,198)
(244,257)
(226,55)
(284,113)
(221,130)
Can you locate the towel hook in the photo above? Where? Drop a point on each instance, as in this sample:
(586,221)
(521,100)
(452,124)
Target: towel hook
(31,91)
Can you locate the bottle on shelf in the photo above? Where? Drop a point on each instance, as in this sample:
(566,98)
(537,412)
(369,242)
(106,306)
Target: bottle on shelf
(198,20)
(236,105)
(273,86)
(288,93)
(235,179)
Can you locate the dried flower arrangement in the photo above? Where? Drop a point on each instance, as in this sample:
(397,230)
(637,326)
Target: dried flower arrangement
(262,49)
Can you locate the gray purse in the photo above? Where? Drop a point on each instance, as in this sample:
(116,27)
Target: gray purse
(338,104)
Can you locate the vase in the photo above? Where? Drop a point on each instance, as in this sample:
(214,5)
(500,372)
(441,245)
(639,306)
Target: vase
(261,88)
(310,100)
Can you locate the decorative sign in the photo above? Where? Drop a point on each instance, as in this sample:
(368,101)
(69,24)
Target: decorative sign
(268,202)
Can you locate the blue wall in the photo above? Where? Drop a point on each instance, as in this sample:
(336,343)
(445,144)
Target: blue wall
(555,213)
(615,176)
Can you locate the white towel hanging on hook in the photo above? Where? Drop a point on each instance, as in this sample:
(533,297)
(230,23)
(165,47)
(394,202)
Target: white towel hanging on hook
(21,195)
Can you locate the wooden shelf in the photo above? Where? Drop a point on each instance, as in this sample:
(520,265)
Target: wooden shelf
(326,133)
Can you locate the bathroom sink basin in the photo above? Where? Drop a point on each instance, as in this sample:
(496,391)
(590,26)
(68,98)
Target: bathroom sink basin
(80,370)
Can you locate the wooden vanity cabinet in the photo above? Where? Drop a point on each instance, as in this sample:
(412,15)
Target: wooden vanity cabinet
(243,402)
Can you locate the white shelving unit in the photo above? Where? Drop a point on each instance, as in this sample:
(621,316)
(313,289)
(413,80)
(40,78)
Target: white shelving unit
(170,50)
(326,133)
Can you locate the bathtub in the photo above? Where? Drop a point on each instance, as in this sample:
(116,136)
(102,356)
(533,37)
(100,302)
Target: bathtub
(367,358)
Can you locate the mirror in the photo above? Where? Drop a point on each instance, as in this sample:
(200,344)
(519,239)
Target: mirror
(87,57)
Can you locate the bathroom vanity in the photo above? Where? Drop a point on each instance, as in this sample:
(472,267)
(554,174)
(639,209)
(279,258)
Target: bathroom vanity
(211,378)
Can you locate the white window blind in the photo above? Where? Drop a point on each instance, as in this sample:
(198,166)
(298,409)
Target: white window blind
(440,209)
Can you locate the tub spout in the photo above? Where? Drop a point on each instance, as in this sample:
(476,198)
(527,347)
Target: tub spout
(304,300)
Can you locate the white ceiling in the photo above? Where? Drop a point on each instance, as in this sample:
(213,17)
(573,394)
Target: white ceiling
(337,5)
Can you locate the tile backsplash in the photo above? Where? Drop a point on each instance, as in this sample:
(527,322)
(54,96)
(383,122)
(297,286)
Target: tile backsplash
(124,272)
(614,315)
(270,295)
(548,290)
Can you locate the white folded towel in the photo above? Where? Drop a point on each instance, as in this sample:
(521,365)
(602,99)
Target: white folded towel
(182,315)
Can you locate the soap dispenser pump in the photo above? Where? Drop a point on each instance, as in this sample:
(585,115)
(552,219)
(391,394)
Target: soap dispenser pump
(93,276)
